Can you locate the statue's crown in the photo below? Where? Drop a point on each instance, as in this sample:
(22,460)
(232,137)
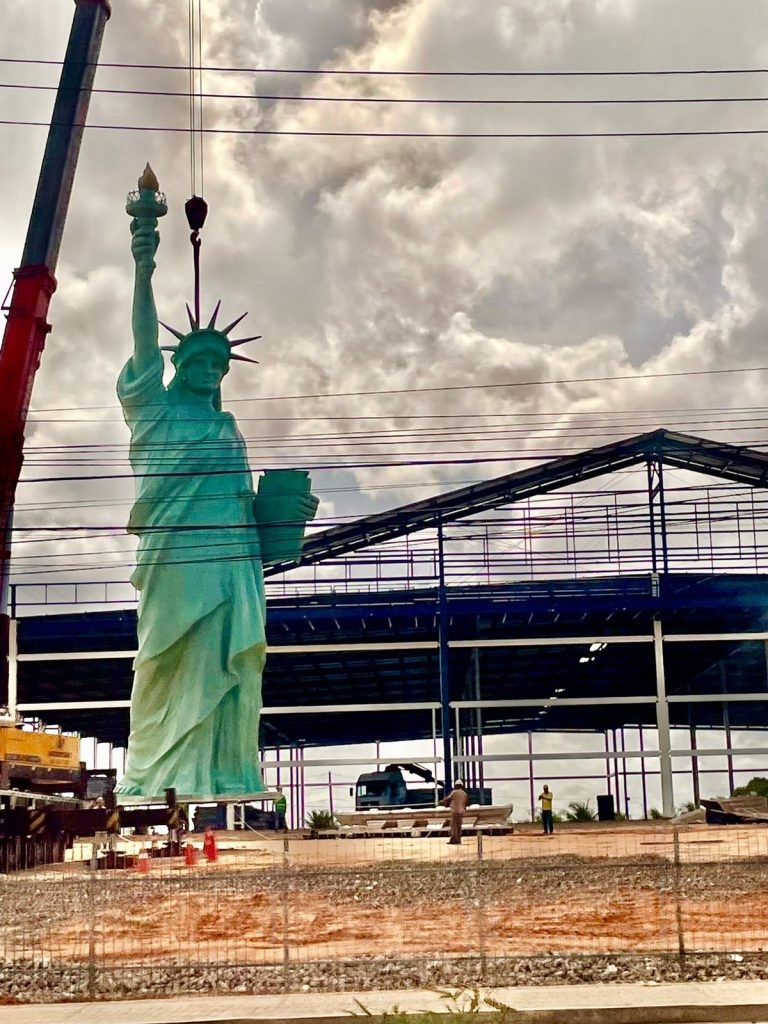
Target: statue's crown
(210,337)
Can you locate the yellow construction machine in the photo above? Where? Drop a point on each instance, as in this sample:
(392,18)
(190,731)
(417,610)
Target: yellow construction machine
(38,761)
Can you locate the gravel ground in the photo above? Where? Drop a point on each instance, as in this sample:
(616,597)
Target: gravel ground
(31,981)
(45,922)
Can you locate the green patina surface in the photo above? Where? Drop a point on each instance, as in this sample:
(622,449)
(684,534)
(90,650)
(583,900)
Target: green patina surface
(203,534)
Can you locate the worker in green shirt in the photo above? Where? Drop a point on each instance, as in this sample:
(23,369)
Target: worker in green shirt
(281,805)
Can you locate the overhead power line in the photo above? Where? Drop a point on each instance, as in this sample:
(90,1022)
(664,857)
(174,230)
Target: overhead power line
(505,414)
(434,485)
(339,134)
(426,100)
(501,427)
(266,452)
(722,491)
(328,446)
(535,455)
(638,377)
(410,73)
(717,495)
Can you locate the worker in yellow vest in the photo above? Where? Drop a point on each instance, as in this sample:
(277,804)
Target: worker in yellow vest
(281,805)
(547,820)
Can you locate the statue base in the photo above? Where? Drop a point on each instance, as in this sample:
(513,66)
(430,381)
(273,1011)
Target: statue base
(183,798)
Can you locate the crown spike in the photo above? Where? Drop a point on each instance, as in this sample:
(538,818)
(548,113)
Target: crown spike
(212,323)
(194,325)
(174,332)
(244,359)
(168,348)
(234,323)
(242,341)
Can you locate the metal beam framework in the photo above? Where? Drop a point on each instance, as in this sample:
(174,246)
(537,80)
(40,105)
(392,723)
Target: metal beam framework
(439,640)
(684,451)
(469,761)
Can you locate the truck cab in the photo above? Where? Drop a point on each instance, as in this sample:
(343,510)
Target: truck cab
(380,789)
(388,788)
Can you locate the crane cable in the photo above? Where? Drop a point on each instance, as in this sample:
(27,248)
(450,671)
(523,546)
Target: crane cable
(196,113)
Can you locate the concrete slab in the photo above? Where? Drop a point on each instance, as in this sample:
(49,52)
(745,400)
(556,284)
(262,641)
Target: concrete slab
(689,1003)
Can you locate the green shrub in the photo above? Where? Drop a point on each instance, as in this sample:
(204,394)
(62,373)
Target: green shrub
(321,820)
(755,787)
(655,813)
(460,1005)
(578,811)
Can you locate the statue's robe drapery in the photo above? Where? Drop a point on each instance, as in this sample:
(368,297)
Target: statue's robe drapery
(196,695)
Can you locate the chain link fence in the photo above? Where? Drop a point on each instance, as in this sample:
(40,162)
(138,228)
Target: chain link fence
(274,914)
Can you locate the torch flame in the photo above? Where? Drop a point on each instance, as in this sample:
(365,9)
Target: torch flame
(149,180)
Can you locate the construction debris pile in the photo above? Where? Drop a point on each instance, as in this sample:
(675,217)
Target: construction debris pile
(737,810)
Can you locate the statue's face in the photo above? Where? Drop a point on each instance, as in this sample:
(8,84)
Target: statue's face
(203,374)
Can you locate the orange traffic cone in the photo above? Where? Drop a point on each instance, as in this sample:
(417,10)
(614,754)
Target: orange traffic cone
(190,855)
(143,862)
(210,846)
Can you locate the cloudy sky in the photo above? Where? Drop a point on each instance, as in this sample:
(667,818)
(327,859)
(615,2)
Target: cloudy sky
(398,264)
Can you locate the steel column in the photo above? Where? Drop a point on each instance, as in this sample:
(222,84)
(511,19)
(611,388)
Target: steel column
(444,662)
(694,766)
(729,748)
(662,518)
(727,728)
(608,764)
(291,789)
(434,747)
(458,746)
(531,776)
(662,725)
(478,718)
(302,790)
(13,667)
(624,771)
(655,472)
(644,781)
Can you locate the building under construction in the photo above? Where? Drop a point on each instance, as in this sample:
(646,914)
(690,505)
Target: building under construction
(542,601)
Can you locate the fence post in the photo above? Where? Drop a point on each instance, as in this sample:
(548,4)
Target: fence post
(677,878)
(480,873)
(92,922)
(284,904)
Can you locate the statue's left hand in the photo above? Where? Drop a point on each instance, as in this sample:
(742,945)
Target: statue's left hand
(307,506)
(295,508)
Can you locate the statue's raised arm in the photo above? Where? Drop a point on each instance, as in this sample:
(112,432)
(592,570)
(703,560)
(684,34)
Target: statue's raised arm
(144,243)
(146,205)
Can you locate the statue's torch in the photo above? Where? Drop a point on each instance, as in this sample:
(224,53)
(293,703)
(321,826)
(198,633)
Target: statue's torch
(147,202)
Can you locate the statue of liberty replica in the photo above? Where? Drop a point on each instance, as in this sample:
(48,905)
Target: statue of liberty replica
(203,535)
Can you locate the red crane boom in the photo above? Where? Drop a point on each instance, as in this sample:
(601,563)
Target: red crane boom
(34,281)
